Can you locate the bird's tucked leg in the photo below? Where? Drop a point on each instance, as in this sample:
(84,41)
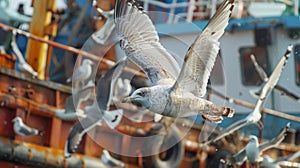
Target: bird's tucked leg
(260,125)
(221,111)
(216,119)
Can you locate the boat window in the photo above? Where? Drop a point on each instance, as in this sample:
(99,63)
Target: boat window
(249,75)
(297,61)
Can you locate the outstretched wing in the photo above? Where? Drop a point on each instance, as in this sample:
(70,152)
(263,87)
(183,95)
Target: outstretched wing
(275,141)
(275,75)
(287,158)
(230,129)
(76,133)
(140,42)
(201,56)
(106,83)
(261,72)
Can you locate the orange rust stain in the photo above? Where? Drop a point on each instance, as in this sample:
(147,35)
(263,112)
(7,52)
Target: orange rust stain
(7,60)
(30,155)
(6,126)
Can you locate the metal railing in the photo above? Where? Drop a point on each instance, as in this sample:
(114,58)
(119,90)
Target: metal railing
(189,13)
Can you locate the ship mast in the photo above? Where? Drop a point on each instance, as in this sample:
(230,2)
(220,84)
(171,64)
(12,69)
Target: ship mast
(41,26)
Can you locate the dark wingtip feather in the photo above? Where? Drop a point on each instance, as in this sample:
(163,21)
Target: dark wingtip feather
(228,112)
(73,139)
(121,7)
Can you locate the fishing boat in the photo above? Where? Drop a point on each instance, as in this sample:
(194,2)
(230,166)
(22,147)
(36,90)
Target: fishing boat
(54,37)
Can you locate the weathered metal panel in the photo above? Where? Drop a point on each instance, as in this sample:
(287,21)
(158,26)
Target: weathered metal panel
(40,156)
(7,60)
(6,126)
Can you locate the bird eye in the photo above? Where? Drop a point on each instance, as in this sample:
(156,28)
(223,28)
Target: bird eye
(141,93)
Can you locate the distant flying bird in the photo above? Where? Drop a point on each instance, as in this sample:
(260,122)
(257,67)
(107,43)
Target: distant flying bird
(70,112)
(268,162)
(98,110)
(264,77)
(255,115)
(252,151)
(23,130)
(23,65)
(83,72)
(176,93)
(94,117)
(72,108)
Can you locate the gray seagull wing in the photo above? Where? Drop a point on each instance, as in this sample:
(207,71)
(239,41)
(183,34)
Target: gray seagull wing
(141,44)
(24,66)
(95,111)
(273,79)
(264,77)
(201,56)
(77,131)
(232,128)
(106,83)
(287,158)
(26,130)
(275,141)
(261,72)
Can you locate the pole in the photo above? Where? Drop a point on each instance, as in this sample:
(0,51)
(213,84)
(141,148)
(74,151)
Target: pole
(69,49)
(36,52)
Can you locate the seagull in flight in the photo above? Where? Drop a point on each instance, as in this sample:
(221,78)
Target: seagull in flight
(73,103)
(175,92)
(24,130)
(253,150)
(98,110)
(23,65)
(262,74)
(255,115)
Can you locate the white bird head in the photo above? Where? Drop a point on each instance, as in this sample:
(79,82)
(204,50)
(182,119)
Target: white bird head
(87,62)
(139,97)
(253,139)
(17,119)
